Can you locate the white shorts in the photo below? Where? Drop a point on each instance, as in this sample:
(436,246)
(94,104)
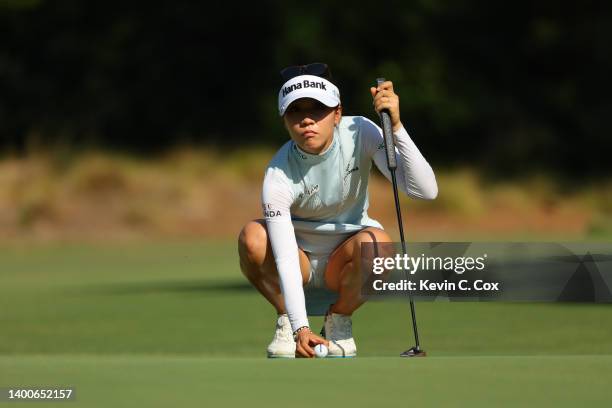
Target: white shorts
(318,247)
(318,244)
(318,240)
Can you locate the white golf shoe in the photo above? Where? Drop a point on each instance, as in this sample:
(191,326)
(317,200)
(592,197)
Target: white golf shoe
(283,345)
(339,332)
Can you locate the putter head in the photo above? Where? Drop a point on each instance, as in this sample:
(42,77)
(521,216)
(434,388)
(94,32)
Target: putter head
(414,352)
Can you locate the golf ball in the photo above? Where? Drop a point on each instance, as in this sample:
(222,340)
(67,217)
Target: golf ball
(320,351)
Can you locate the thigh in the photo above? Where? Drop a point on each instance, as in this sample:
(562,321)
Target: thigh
(346,252)
(269,266)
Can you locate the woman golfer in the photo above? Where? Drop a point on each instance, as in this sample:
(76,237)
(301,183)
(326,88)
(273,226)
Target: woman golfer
(315,201)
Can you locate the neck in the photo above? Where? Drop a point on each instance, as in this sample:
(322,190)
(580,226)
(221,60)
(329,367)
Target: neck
(322,149)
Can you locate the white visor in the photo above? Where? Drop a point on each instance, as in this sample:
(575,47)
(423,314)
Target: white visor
(307,86)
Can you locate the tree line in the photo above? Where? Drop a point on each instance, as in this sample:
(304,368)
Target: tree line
(509,86)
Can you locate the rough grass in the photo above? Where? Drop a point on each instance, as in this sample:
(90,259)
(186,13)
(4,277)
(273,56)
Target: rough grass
(203,193)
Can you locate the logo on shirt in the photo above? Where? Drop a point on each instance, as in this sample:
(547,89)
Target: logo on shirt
(304,84)
(309,191)
(381,145)
(269,211)
(348,170)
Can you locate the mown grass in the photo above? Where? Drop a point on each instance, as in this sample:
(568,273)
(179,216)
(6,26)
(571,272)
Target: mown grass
(175,323)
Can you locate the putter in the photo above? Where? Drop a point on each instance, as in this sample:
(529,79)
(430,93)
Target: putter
(392,165)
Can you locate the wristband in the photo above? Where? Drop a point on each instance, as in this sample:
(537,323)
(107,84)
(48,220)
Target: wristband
(295,333)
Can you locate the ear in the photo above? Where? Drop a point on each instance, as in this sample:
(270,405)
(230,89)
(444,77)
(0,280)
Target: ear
(337,115)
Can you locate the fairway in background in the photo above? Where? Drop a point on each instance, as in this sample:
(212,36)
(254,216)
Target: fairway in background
(191,298)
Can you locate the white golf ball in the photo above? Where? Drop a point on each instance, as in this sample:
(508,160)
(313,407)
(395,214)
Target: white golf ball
(320,351)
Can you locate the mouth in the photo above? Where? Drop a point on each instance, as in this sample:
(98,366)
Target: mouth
(309,134)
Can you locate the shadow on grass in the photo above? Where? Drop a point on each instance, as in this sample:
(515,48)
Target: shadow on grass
(199,286)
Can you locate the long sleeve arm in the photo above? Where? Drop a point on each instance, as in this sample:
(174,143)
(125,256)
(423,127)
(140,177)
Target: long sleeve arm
(276,202)
(415,177)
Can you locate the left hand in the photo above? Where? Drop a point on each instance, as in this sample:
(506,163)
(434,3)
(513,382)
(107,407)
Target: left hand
(385,98)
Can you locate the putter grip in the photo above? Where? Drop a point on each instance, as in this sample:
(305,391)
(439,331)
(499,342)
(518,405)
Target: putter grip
(385,120)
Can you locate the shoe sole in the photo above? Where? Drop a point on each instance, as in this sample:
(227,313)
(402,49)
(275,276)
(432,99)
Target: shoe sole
(281,356)
(292,357)
(288,357)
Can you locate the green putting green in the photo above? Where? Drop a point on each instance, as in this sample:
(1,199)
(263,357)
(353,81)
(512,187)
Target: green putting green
(162,381)
(177,324)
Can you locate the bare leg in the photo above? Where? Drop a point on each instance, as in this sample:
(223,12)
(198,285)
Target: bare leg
(258,265)
(343,272)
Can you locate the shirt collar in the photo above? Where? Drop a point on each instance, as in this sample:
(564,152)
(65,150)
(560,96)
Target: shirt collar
(306,157)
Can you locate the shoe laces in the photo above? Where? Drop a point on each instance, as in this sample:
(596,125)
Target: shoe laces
(283,328)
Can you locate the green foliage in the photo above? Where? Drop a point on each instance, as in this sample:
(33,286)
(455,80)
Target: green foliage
(19,4)
(509,86)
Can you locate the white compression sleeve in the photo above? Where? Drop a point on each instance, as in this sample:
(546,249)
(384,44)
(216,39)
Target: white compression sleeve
(276,201)
(415,177)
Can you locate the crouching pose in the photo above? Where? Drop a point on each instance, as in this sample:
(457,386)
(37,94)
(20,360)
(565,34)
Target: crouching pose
(315,201)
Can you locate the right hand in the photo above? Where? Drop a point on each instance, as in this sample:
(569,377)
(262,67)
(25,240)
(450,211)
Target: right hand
(305,342)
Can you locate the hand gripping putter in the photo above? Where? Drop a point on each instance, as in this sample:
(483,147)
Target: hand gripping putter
(385,120)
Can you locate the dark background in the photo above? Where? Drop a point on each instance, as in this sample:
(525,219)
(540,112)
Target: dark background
(510,87)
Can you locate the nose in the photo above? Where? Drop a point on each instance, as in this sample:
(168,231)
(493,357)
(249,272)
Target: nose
(307,120)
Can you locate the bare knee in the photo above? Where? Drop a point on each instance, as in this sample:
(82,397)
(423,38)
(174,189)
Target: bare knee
(253,242)
(373,234)
(375,237)
(344,262)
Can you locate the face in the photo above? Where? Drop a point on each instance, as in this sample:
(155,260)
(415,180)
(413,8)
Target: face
(311,124)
